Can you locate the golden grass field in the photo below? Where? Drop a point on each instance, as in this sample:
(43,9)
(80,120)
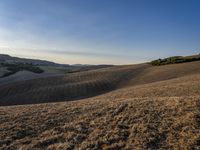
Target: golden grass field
(128,107)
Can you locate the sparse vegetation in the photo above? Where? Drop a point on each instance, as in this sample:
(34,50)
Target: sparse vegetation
(175,60)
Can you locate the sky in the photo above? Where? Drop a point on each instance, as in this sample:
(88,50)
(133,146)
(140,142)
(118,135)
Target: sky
(99,31)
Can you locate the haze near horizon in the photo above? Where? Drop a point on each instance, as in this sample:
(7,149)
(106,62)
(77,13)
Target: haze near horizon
(99,32)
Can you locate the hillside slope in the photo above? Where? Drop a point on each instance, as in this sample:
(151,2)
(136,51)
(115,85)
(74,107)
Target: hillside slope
(90,83)
(66,87)
(160,115)
(14,69)
(160,73)
(9,59)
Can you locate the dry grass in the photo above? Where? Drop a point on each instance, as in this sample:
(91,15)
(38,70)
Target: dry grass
(160,115)
(143,123)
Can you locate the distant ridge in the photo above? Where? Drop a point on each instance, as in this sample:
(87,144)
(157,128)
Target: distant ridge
(9,59)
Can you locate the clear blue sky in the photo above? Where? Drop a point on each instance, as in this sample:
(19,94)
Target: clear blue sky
(99,31)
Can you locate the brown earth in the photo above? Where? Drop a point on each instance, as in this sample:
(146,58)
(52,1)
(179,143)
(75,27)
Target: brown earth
(148,108)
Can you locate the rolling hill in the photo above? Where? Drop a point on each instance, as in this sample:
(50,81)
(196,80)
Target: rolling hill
(118,107)
(14,69)
(85,84)
(159,115)
(9,59)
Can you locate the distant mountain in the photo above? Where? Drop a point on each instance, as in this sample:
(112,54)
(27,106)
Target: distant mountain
(9,59)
